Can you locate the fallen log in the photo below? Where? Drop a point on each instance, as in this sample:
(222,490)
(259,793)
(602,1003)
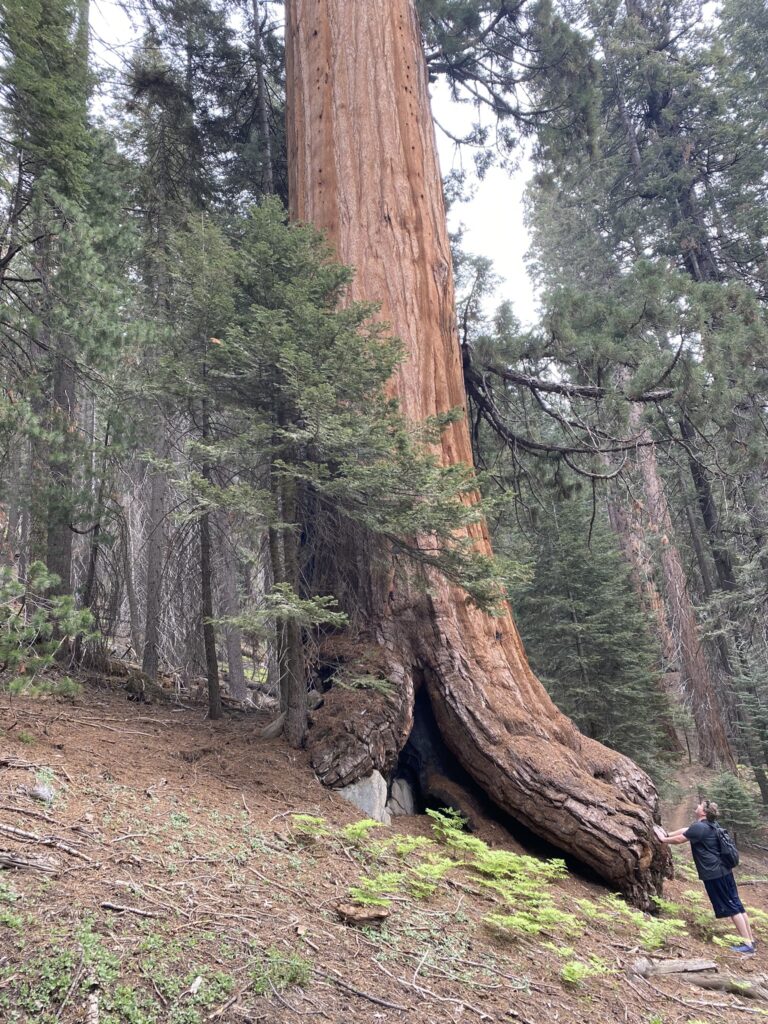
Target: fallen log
(646,968)
(749,988)
(9,859)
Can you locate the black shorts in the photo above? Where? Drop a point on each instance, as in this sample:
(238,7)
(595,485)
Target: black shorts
(724,896)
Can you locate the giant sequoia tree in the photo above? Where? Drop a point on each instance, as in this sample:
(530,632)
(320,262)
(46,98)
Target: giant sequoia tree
(363,166)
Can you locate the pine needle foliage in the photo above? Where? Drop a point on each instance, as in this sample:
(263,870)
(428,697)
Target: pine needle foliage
(586,636)
(301,385)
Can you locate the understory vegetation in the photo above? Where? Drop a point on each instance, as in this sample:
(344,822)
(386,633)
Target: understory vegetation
(172,902)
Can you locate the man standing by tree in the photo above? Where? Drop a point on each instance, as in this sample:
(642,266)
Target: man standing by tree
(715,874)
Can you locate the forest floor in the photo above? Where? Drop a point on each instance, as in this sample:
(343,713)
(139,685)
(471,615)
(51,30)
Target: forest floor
(175,886)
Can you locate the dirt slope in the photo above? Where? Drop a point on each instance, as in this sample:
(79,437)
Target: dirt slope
(232,907)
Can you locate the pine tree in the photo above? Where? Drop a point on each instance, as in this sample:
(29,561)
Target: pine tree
(586,636)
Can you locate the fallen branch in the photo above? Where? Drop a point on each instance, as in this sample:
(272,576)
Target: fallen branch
(98,724)
(14,860)
(334,977)
(433,995)
(16,762)
(28,814)
(140,891)
(73,986)
(696,1003)
(230,1002)
(92,1009)
(118,908)
(30,837)
(750,988)
(646,968)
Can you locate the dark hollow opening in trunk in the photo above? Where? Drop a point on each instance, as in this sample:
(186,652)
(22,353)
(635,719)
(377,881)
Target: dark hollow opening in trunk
(439,781)
(434,774)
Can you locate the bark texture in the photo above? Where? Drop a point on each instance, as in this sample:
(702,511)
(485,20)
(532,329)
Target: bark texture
(363,167)
(674,612)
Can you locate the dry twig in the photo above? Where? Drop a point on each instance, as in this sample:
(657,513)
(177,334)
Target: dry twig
(30,837)
(8,859)
(118,908)
(338,980)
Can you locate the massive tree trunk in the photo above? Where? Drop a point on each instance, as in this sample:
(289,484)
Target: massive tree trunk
(363,166)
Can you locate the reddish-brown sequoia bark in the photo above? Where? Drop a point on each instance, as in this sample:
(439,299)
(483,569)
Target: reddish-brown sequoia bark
(363,167)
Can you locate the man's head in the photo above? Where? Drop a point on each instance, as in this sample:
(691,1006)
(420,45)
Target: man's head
(707,809)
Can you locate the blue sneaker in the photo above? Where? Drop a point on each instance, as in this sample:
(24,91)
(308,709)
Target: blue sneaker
(744,947)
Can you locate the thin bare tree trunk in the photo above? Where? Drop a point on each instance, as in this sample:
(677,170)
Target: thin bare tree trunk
(230,606)
(623,513)
(206,588)
(697,675)
(130,587)
(265,141)
(363,166)
(150,661)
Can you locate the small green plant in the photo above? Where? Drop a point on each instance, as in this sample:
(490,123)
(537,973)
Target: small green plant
(358,831)
(577,971)
(33,625)
(373,891)
(683,866)
(758,917)
(655,933)
(276,970)
(564,951)
(11,920)
(348,681)
(504,864)
(25,737)
(423,880)
(513,926)
(667,906)
(308,827)
(449,825)
(593,911)
(7,893)
(405,845)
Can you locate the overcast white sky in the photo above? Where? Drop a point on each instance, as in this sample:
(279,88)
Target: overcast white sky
(493,219)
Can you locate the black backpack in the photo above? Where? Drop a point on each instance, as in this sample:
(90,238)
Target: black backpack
(729,855)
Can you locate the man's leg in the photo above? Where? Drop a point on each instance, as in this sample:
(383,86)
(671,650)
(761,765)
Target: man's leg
(741,923)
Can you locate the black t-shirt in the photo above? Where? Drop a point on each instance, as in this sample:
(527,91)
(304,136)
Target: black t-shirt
(706,851)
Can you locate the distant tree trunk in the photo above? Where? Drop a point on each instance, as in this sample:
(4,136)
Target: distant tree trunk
(230,606)
(707,707)
(150,661)
(59,541)
(265,140)
(206,590)
(720,554)
(629,529)
(363,166)
(130,586)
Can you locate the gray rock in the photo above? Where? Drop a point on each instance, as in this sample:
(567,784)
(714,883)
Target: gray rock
(401,801)
(42,792)
(370,796)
